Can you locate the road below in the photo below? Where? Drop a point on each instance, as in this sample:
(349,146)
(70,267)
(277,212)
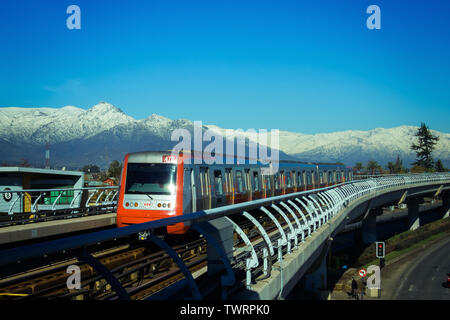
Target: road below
(425,275)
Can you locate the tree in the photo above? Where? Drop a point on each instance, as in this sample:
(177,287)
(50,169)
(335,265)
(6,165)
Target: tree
(424,147)
(397,167)
(358,167)
(372,165)
(440,167)
(115,168)
(91,168)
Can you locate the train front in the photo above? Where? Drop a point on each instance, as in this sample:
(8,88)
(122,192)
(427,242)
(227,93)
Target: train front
(151,188)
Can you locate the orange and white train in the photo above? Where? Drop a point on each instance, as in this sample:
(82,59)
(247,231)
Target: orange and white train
(156,185)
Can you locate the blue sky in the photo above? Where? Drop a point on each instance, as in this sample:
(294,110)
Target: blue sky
(303,66)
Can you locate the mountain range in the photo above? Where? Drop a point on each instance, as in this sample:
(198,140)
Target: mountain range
(103,133)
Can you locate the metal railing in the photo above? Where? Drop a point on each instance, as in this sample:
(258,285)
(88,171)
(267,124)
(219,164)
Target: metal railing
(301,214)
(387,175)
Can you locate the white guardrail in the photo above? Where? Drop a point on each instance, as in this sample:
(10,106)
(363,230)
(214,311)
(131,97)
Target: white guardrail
(305,212)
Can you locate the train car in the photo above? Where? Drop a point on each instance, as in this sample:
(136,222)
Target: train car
(156,184)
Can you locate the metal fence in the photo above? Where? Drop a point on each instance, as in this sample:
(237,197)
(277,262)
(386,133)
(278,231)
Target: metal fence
(20,206)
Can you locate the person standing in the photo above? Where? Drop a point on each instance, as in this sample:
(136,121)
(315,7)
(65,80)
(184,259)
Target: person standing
(354,288)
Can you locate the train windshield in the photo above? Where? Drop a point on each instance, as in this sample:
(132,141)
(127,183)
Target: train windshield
(151,178)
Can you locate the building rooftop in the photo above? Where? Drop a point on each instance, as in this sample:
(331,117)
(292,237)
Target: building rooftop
(42,171)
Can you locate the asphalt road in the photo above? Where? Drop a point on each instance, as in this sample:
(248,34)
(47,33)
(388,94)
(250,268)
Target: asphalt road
(424,279)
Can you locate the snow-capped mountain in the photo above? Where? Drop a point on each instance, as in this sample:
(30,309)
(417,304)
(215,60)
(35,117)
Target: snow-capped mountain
(349,147)
(51,125)
(104,132)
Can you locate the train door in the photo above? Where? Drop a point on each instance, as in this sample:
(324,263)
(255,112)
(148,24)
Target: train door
(229,186)
(256,185)
(248,184)
(239,189)
(277,184)
(290,183)
(295,181)
(304,179)
(189,194)
(321,179)
(316,181)
(310,182)
(299,181)
(267,186)
(205,188)
(218,196)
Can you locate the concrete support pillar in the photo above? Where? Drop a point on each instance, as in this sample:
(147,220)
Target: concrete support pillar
(221,230)
(446,204)
(369,226)
(317,280)
(413,213)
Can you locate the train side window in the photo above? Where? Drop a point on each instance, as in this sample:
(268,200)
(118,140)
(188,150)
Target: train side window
(239,181)
(256,181)
(218,183)
(299,179)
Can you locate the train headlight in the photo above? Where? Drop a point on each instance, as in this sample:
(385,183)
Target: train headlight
(127,204)
(136,204)
(159,205)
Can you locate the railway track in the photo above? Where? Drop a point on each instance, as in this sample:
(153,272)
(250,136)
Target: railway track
(132,265)
(140,271)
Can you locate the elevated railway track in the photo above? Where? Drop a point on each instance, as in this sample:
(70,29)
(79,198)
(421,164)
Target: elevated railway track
(230,250)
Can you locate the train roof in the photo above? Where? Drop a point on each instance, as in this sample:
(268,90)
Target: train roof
(244,160)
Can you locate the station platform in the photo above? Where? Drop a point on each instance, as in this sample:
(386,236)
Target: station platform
(32,231)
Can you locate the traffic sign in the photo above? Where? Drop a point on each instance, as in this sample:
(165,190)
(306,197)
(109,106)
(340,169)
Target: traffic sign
(362,273)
